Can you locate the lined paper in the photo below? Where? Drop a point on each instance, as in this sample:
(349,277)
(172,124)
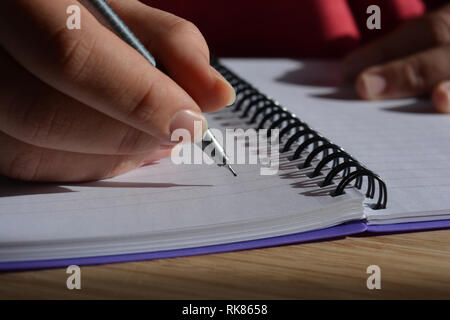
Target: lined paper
(166,206)
(403,140)
(163,207)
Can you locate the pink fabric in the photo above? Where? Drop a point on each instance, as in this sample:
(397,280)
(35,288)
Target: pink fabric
(320,28)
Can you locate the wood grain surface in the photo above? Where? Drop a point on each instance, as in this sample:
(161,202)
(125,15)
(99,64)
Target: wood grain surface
(413,265)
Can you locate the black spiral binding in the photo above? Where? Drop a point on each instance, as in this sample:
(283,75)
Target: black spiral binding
(253,105)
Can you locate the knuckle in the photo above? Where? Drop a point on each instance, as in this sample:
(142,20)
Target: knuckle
(143,111)
(55,125)
(182,27)
(25,118)
(40,122)
(187,31)
(73,53)
(414,75)
(26,165)
(178,30)
(439,27)
(133,141)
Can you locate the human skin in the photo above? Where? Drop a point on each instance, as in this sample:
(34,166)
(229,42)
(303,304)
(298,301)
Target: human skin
(79,105)
(411,61)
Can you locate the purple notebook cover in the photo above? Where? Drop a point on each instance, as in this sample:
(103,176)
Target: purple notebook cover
(318,235)
(329,233)
(409,227)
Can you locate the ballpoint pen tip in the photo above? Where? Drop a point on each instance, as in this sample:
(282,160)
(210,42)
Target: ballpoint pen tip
(231,170)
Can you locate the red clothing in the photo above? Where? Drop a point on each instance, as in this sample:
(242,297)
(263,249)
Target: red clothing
(296,28)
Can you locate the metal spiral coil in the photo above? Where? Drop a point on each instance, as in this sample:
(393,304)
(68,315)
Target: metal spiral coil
(264,112)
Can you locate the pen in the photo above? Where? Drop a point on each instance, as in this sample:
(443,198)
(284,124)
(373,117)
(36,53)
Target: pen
(127,35)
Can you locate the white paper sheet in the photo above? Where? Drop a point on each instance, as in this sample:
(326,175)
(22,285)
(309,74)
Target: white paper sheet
(403,140)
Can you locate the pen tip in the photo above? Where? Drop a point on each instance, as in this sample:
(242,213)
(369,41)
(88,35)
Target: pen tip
(231,170)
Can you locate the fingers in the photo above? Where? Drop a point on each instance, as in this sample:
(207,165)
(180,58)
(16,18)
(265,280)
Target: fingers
(181,49)
(47,118)
(408,77)
(417,35)
(26,162)
(95,67)
(441,97)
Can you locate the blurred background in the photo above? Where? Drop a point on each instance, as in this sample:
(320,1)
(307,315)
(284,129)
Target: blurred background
(291,28)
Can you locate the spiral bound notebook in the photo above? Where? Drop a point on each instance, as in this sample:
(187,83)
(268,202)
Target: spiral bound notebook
(392,176)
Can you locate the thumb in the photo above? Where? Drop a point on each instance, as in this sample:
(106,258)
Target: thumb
(408,77)
(441,97)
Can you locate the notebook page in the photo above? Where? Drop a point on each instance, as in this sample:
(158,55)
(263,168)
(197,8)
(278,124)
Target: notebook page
(401,140)
(162,207)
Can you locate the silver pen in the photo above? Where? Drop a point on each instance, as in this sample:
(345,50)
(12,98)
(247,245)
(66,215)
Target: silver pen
(122,30)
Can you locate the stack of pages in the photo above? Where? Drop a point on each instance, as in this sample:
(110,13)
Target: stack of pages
(168,210)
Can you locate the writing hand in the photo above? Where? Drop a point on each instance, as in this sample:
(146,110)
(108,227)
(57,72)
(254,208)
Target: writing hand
(79,105)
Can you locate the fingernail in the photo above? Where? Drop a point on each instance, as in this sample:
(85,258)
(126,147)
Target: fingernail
(441,98)
(193,124)
(445,86)
(232,92)
(371,85)
(155,155)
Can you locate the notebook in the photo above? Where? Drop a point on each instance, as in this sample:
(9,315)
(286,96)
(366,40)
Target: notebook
(344,167)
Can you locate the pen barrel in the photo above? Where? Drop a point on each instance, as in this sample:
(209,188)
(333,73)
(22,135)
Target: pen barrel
(109,18)
(214,149)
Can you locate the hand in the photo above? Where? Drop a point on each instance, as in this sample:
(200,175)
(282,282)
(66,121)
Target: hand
(411,61)
(79,105)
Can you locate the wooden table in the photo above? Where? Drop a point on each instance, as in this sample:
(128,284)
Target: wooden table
(413,265)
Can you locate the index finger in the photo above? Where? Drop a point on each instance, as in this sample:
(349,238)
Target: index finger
(94,66)
(179,46)
(414,36)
